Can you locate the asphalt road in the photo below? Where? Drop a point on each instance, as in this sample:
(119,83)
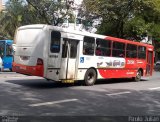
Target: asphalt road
(23,95)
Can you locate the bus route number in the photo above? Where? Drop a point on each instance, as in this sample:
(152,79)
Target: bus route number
(130,62)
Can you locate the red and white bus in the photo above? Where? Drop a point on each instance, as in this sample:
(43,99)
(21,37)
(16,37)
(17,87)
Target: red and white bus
(65,55)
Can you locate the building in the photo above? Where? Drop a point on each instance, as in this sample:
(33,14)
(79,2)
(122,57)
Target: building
(2,6)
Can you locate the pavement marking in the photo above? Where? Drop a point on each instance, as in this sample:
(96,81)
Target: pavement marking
(154,88)
(14,76)
(119,93)
(53,102)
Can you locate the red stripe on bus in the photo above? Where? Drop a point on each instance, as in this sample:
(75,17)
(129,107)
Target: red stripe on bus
(117,73)
(28,70)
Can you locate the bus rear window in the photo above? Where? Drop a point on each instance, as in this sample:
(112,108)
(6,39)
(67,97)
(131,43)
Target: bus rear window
(55,42)
(28,37)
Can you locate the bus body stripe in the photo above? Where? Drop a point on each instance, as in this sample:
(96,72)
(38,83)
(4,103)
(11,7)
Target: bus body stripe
(28,70)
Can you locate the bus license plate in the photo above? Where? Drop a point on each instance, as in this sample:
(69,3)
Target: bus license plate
(23,68)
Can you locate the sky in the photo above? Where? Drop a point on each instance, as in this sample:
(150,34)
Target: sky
(4,1)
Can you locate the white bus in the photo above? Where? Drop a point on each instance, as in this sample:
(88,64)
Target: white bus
(65,55)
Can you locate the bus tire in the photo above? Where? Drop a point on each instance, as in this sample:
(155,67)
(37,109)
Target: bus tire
(138,76)
(90,77)
(47,79)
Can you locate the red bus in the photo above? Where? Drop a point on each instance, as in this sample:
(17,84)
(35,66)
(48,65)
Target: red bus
(66,55)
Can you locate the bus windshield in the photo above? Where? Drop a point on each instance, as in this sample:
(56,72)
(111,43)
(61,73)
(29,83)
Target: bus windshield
(9,50)
(2,49)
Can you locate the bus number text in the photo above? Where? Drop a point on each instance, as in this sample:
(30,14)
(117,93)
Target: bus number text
(130,62)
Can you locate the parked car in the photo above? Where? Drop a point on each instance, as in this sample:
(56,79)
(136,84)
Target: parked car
(1,64)
(158,63)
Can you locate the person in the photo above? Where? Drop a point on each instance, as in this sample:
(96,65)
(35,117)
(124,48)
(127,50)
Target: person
(121,55)
(98,52)
(1,64)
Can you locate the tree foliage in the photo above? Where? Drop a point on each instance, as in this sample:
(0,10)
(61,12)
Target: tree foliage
(125,18)
(11,18)
(120,18)
(22,12)
(130,19)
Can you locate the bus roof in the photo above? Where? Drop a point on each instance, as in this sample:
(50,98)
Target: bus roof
(7,41)
(84,33)
(43,26)
(38,26)
(129,41)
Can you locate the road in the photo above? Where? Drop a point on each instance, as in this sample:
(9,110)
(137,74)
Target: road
(29,95)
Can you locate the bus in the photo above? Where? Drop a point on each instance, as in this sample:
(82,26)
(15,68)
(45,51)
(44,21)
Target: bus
(6,53)
(66,55)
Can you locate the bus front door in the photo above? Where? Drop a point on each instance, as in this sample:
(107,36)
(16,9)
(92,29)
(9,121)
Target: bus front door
(149,67)
(68,60)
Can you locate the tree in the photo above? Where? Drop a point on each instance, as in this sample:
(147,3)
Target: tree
(125,18)
(21,12)
(11,19)
(114,14)
(51,11)
(130,19)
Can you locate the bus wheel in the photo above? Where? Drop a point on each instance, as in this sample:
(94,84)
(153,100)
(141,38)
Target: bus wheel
(47,79)
(138,76)
(90,77)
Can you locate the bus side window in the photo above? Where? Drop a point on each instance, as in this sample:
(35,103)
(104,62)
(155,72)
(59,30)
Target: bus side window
(88,45)
(103,47)
(131,51)
(98,52)
(55,42)
(142,52)
(118,49)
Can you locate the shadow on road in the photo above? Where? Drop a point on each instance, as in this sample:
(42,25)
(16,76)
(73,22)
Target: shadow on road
(114,81)
(89,103)
(43,84)
(39,83)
